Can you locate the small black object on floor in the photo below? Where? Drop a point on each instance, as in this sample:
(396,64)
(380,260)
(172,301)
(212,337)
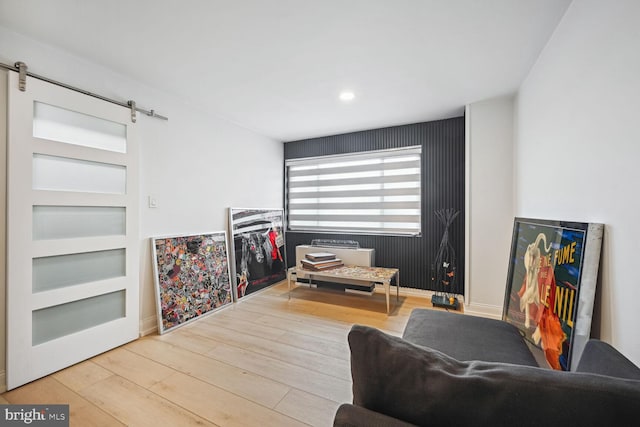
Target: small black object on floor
(444,301)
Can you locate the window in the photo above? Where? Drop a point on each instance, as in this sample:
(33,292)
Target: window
(374,192)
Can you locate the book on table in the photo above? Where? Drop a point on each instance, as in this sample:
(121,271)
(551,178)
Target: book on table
(320,256)
(321,265)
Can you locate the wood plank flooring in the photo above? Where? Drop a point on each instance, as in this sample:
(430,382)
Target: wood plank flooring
(266,361)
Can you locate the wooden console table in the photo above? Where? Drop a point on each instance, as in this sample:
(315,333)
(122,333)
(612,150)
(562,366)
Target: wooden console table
(368,275)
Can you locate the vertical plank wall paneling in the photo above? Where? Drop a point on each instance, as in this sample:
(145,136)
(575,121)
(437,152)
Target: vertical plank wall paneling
(442,187)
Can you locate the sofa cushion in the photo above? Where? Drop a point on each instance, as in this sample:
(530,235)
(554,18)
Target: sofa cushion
(426,387)
(598,357)
(465,337)
(354,416)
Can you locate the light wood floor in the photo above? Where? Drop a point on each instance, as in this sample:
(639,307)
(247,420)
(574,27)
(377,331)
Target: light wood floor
(266,361)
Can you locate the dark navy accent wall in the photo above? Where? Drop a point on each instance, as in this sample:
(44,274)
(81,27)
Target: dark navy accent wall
(443,179)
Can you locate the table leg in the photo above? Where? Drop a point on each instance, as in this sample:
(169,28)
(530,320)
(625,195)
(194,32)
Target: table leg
(290,273)
(387,291)
(398,286)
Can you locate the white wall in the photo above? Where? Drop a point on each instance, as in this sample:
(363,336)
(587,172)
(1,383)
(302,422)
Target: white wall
(578,148)
(490,203)
(196,164)
(197,167)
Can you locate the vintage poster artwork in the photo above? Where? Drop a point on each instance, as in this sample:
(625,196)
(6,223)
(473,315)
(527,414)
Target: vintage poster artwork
(544,283)
(191,277)
(257,238)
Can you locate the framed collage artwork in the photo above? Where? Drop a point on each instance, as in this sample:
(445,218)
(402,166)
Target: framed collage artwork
(551,285)
(191,277)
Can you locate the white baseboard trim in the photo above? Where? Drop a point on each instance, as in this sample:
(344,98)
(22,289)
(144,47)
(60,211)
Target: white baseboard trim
(484,310)
(148,326)
(3,381)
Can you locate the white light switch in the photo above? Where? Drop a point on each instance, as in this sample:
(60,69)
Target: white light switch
(153,201)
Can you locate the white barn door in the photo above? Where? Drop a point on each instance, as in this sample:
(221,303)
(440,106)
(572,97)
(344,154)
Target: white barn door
(72,229)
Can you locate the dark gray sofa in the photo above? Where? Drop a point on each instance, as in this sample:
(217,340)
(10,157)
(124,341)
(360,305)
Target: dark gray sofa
(459,370)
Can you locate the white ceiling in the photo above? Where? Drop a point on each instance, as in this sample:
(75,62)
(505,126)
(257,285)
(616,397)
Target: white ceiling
(278,66)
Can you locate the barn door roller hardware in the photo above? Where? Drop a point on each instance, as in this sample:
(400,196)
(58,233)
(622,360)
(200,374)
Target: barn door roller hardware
(22,70)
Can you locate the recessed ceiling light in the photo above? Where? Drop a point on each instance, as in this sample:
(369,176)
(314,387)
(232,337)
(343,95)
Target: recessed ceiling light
(347,96)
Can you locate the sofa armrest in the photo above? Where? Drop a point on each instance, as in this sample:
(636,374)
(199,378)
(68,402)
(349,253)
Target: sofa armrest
(354,416)
(600,358)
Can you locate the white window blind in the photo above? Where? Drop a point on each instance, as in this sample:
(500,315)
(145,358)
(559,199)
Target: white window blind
(373,192)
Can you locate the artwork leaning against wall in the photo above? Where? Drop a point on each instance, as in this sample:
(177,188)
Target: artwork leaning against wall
(191,277)
(257,249)
(551,285)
